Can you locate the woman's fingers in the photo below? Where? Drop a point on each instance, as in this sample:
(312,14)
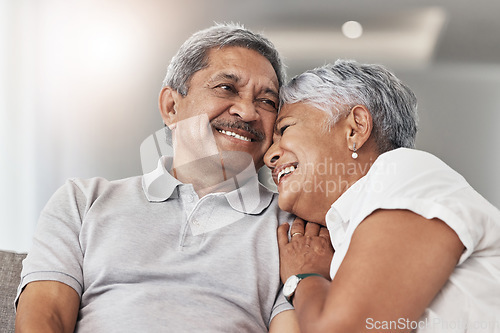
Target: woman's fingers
(298,228)
(283,235)
(308,251)
(312,229)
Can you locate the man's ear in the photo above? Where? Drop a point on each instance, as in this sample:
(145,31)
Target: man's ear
(167,104)
(361,126)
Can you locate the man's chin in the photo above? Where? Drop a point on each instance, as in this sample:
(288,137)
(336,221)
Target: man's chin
(235,162)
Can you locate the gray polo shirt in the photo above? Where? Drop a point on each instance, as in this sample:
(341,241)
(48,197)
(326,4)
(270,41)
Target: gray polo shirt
(147,255)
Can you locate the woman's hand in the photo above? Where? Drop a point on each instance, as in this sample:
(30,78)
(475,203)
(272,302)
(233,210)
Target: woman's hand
(308,251)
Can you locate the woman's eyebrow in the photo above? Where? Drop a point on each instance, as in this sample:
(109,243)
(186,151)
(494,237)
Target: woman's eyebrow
(281,118)
(277,122)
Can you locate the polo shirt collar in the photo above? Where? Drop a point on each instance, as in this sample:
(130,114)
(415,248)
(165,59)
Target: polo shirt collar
(248,195)
(159,184)
(243,192)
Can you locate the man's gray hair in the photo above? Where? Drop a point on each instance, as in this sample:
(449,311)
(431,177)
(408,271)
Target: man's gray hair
(337,88)
(192,55)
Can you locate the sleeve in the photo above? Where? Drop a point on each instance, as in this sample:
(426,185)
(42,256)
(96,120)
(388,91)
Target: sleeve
(428,187)
(56,254)
(280,305)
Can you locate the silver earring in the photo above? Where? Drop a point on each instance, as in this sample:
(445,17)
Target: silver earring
(354,154)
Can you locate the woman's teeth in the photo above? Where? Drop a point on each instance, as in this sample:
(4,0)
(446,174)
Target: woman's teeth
(234,135)
(285,171)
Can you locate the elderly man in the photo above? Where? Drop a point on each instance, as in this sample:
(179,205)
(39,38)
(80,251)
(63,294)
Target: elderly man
(190,246)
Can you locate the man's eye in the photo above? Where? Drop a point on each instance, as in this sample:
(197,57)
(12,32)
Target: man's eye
(226,87)
(268,104)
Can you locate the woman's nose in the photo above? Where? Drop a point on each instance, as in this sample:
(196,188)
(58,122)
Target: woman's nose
(272,156)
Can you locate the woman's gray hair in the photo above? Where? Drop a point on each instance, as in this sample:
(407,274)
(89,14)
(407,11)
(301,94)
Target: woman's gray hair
(192,55)
(337,88)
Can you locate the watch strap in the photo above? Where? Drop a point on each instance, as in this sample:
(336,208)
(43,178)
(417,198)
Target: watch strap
(301,277)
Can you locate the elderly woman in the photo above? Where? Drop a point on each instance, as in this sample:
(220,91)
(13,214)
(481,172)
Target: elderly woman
(416,248)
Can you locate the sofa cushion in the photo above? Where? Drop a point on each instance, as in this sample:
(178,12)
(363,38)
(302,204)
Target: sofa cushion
(10,275)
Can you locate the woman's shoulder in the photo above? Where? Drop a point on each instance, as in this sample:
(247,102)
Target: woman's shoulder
(410,159)
(401,179)
(406,166)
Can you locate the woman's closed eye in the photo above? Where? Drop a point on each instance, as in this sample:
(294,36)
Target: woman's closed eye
(282,129)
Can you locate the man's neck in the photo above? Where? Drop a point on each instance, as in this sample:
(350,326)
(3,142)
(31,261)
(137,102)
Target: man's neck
(211,174)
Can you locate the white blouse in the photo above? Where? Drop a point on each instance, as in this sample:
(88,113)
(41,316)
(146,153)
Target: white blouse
(420,182)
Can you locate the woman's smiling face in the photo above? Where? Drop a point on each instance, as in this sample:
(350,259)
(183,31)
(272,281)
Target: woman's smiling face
(308,160)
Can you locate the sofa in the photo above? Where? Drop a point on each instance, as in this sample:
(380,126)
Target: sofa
(10,273)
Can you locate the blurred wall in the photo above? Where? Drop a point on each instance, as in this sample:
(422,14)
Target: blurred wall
(79,85)
(459,109)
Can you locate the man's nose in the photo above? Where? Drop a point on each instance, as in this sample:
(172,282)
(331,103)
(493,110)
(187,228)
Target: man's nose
(245,109)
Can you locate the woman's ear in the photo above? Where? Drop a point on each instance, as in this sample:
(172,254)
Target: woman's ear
(361,125)
(167,105)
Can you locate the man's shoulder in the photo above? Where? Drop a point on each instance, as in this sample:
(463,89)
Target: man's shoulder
(96,186)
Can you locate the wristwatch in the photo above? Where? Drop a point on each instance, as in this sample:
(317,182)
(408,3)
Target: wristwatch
(292,283)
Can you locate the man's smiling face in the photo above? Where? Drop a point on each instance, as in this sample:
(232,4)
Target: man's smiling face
(238,92)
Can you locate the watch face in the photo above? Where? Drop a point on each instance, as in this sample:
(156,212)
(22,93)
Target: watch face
(290,285)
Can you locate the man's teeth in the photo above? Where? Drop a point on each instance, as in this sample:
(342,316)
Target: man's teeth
(234,135)
(285,171)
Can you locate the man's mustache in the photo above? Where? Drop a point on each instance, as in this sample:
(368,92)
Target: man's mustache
(238,124)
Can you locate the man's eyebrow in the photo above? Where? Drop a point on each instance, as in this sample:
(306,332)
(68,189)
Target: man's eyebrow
(271,92)
(235,78)
(226,76)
